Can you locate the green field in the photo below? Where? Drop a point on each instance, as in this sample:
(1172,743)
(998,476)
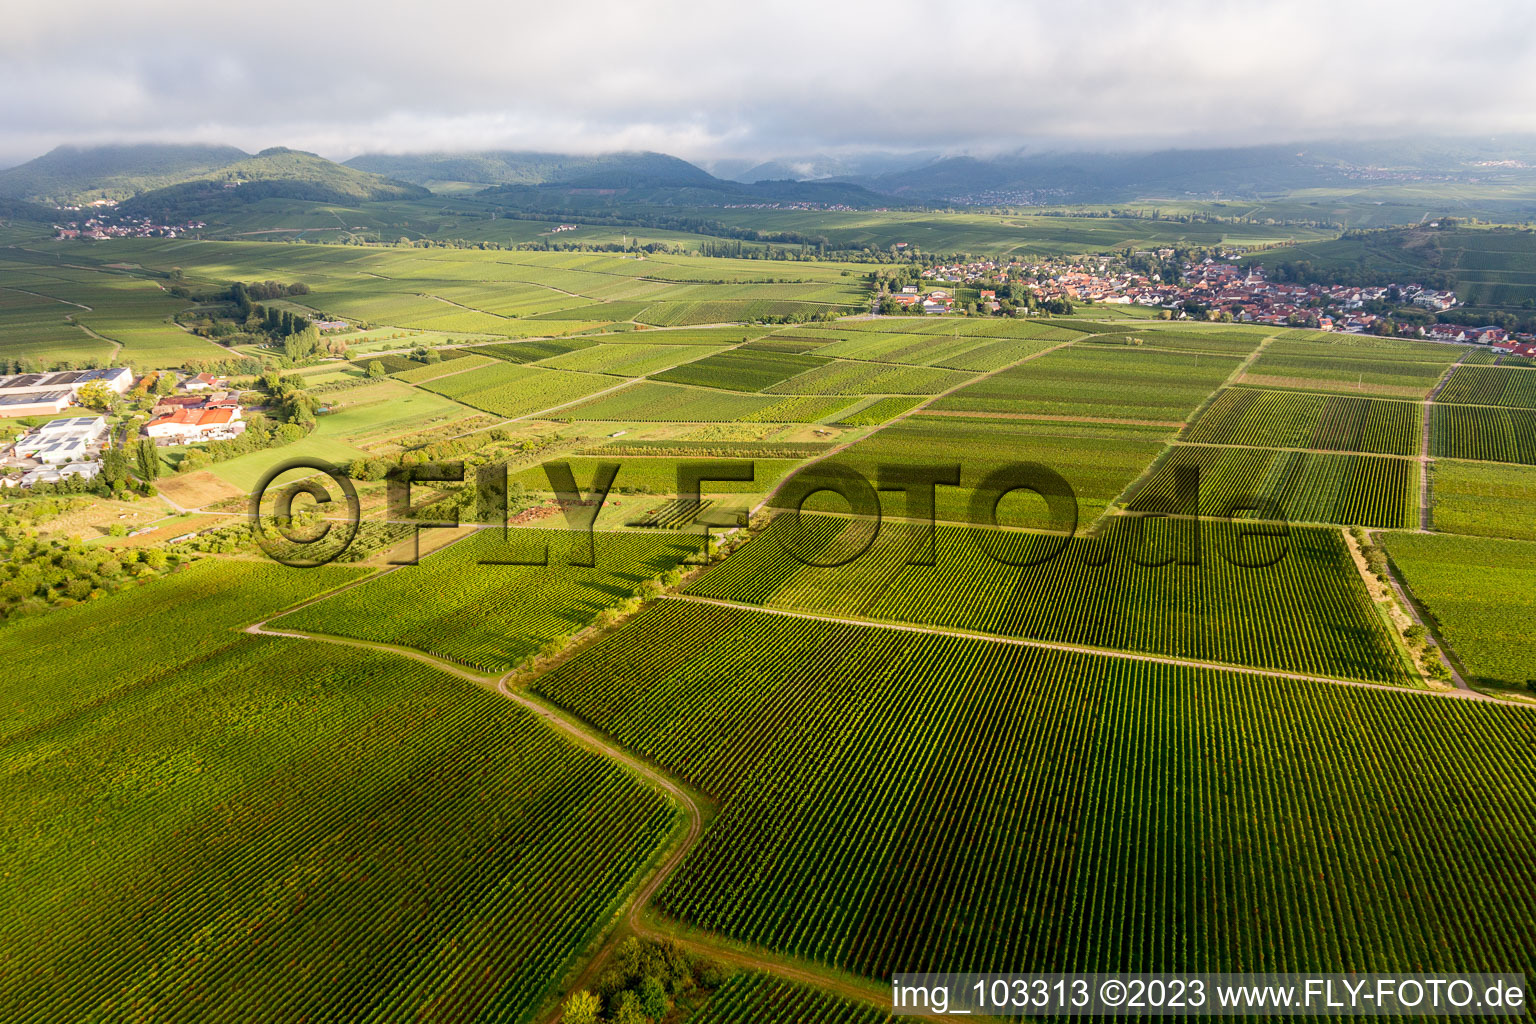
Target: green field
(362,415)
(1288,419)
(741,370)
(1510,386)
(1306,612)
(1483,500)
(1352,364)
(1298,486)
(1482,593)
(1098,460)
(651,401)
(491,616)
(270,828)
(1140,733)
(1063,810)
(1098,383)
(507,389)
(1484,433)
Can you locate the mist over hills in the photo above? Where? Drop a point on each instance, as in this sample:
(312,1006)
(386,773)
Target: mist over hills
(184,181)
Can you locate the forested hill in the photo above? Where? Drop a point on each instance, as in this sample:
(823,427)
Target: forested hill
(74,174)
(276,173)
(514,167)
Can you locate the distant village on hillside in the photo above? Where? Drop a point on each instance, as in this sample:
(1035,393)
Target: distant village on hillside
(1199,289)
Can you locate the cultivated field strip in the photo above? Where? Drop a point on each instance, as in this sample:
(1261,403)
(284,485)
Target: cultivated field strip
(1298,486)
(1309,612)
(466,604)
(1289,419)
(904,801)
(1484,433)
(1513,387)
(274,829)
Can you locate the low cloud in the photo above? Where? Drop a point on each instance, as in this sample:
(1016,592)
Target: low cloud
(716,80)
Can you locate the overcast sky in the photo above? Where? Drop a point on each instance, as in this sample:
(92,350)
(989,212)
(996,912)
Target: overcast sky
(761,79)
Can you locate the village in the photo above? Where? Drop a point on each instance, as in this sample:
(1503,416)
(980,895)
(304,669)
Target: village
(98,221)
(1207,289)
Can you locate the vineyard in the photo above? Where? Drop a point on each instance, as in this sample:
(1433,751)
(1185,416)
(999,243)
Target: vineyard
(843,377)
(532,351)
(960,352)
(1289,419)
(168,623)
(742,370)
(1480,432)
(655,475)
(717,311)
(1484,500)
(491,616)
(1062,810)
(1353,363)
(1482,593)
(652,401)
(877,412)
(1098,460)
(762,999)
(457,362)
(1513,387)
(1307,612)
(507,389)
(1219,342)
(289,830)
(624,360)
(1300,487)
(1096,382)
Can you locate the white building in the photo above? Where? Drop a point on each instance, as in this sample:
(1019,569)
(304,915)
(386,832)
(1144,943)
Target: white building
(54,474)
(118,378)
(63,440)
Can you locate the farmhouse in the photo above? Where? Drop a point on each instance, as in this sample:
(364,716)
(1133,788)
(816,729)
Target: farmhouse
(209,400)
(202,382)
(185,426)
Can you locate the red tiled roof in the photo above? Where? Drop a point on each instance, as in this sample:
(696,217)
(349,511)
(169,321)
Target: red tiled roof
(194,417)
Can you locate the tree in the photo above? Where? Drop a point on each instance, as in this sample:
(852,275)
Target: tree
(114,466)
(653,997)
(375,369)
(580,1008)
(96,395)
(148,460)
(165,383)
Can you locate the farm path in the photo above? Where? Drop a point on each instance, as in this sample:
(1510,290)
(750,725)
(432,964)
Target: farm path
(1158,659)
(117,346)
(1424,459)
(51,298)
(633,910)
(1412,608)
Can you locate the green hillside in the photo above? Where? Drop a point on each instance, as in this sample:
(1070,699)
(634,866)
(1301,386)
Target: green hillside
(506,167)
(1486,266)
(276,173)
(71,174)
